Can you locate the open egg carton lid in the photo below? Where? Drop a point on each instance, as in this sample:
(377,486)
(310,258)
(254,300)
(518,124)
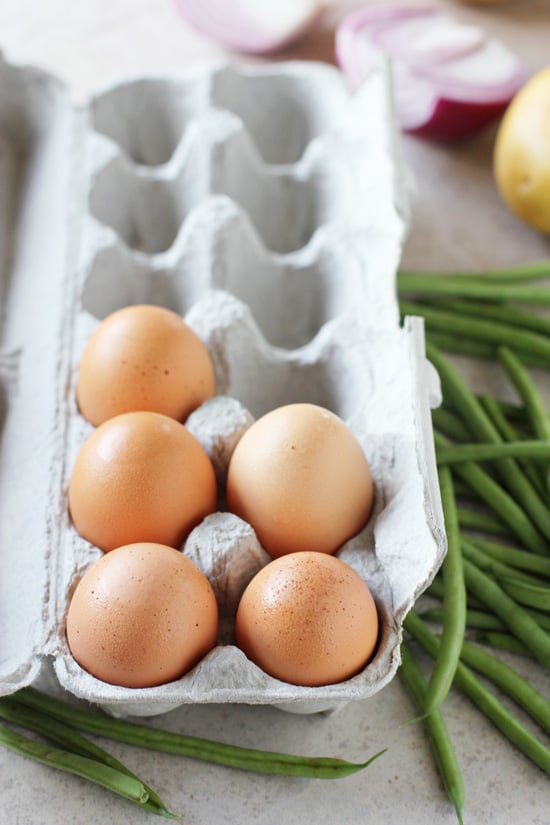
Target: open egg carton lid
(266,205)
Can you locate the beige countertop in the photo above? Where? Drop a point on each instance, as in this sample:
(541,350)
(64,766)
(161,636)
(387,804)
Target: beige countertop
(458,222)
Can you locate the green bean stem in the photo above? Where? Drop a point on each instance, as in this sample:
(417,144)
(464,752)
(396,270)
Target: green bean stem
(521,624)
(438,734)
(454,602)
(247,759)
(508,725)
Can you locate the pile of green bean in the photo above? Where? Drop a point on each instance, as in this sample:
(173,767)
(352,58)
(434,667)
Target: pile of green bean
(494,470)
(62,723)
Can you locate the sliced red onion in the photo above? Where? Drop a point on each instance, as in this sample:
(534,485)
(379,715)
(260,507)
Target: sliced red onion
(252,26)
(450,80)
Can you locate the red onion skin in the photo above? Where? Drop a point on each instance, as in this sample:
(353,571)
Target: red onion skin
(453,121)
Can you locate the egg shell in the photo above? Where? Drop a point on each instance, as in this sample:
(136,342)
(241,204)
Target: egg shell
(143,358)
(140,476)
(141,616)
(307,618)
(300,478)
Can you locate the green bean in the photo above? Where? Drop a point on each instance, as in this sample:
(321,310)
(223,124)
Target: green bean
(458,344)
(497,312)
(480,522)
(450,424)
(506,678)
(454,602)
(13,711)
(500,501)
(435,589)
(523,587)
(513,411)
(509,433)
(508,725)
(477,615)
(509,410)
(246,759)
(464,495)
(513,557)
(409,283)
(493,566)
(503,641)
(475,619)
(515,274)
(521,624)
(458,394)
(119,783)
(438,734)
(534,449)
(542,619)
(493,332)
(526,593)
(496,412)
(532,400)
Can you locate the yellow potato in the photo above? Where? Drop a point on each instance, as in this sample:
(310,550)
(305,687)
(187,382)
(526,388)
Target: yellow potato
(522,153)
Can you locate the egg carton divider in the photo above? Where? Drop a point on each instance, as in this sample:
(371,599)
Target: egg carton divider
(291,296)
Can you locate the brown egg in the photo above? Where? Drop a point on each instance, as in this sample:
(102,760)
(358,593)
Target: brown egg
(301,479)
(140,477)
(308,619)
(143,358)
(141,616)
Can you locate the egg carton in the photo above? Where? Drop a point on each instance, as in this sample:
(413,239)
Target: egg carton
(266,205)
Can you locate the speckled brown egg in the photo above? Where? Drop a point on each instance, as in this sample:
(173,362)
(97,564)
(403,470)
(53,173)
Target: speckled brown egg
(141,616)
(140,476)
(307,618)
(300,477)
(143,358)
